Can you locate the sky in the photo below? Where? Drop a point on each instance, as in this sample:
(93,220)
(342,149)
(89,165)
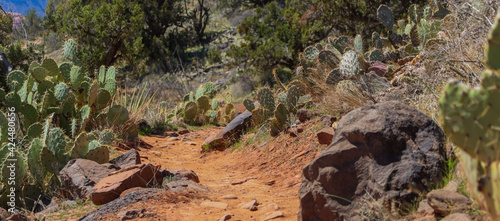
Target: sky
(23,6)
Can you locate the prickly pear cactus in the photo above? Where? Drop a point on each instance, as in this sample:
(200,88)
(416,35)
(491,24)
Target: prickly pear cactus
(69,49)
(349,65)
(266,98)
(358,44)
(117,115)
(281,114)
(276,127)
(215,104)
(98,153)
(341,43)
(292,98)
(377,40)
(376,55)
(208,89)
(190,111)
(471,119)
(334,77)
(199,92)
(15,80)
(203,103)
(260,115)
(385,15)
(311,52)
(329,59)
(249,105)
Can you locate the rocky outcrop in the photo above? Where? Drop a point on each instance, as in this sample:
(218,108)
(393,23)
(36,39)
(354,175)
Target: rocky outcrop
(230,133)
(80,175)
(123,202)
(388,153)
(182,174)
(127,159)
(110,188)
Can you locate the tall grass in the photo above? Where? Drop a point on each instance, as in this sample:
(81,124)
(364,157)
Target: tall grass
(137,101)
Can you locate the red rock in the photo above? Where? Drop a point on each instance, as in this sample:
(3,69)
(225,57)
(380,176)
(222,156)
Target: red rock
(110,188)
(325,135)
(379,68)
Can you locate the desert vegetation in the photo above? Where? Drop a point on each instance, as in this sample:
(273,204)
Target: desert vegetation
(93,79)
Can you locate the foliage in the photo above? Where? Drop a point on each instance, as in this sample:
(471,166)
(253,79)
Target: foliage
(5,26)
(471,120)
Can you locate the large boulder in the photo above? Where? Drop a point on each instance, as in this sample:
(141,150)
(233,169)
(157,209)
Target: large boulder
(230,133)
(80,175)
(110,188)
(382,155)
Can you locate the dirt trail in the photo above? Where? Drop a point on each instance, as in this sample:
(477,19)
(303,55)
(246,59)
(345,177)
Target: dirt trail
(217,170)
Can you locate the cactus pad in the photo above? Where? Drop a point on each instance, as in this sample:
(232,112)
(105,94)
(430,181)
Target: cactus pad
(51,66)
(248,105)
(12,99)
(349,65)
(215,104)
(203,103)
(99,154)
(117,115)
(69,49)
(76,77)
(260,115)
(376,55)
(266,98)
(33,159)
(190,111)
(61,92)
(39,73)
(208,89)
(470,117)
(311,52)
(292,97)
(334,77)
(358,44)
(56,141)
(329,59)
(81,146)
(276,127)
(15,80)
(281,113)
(385,15)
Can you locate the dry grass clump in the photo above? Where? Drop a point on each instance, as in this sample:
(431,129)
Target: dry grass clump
(461,56)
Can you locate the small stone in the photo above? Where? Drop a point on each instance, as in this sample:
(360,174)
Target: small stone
(328,120)
(227,216)
(445,202)
(250,204)
(272,215)
(423,207)
(452,186)
(229,197)
(171,144)
(214,205)
(304,115)
(270,182)
(182,132)
(237,182)
(457,217)
(173,139)
(325,135)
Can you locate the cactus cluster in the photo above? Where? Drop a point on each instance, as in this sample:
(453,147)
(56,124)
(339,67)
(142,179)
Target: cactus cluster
(277,109)
(471,119)
(200,107)
(57,108)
